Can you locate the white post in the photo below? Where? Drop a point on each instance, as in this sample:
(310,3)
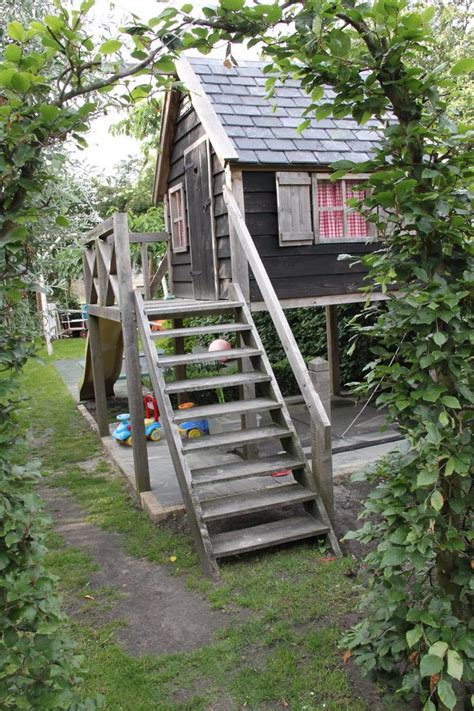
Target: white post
(45,316)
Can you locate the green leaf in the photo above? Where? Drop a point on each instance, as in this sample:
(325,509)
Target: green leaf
(20,82)
(451,401)
(437,500)
(430,664)
(427,477)
(54,23)
(16,31)
(439,649)
(463,66)
(232,4)
(13,53)
(166,65)
(446,694)
(187,8)
(49,113)
(62,221)
(110,47)
(439,338)
(455,664)
(429,706)
(414,635)
(6,77)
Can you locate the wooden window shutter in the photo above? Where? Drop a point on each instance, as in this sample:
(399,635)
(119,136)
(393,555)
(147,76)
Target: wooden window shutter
(294,208)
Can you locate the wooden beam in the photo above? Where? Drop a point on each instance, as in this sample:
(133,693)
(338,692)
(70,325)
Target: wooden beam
(111,313)
(308,301)
(295,359)
(147,237)
(321,447)
(159,274)
(132,360)
(167,129)
(212,125)
(332,337)
(95,346)
(145,271)
(238,260)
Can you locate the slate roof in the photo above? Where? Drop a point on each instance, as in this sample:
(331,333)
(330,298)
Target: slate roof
(263,135)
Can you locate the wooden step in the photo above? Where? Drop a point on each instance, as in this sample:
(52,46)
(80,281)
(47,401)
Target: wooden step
(252,501)
(236,438)
(219,381)
(265,535)
(176,309)
(205,356)
(246,468)
(201,330)
(227,408)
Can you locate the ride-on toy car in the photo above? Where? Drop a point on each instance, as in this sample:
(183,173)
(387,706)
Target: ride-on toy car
(123,432)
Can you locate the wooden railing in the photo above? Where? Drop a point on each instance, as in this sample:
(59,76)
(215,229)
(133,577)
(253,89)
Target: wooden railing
(295,359)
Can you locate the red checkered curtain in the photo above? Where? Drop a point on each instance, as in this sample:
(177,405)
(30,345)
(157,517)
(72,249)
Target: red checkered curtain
(331,220)
(356,224)
(336,220)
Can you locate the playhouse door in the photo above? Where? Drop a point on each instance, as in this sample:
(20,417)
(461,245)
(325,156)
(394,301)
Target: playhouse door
(200,220)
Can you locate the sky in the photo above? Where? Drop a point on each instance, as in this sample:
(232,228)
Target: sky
(104,150)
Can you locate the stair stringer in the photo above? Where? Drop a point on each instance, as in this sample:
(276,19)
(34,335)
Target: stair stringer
(181,466)
(304,475)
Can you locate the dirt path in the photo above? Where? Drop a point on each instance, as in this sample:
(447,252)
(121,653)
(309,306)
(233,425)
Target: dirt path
(161,616)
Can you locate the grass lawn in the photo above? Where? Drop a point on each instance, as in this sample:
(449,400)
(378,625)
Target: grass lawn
(283,654)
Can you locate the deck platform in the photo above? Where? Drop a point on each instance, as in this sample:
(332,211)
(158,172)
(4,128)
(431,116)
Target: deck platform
(362,446)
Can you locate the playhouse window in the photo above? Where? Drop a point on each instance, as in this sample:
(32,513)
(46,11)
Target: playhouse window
(334,219)
(177,218)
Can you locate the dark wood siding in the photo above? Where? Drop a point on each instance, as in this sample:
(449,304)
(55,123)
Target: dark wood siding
(188,130)
(296,272)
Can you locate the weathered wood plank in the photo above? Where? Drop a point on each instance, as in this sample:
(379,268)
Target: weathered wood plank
(321,452)
(220,381)
(267,534)
(220,141)
(112,313)
(253,501)
(236,438)
(130,341)
(183,473)
(261,404)
(207,357)
(99,231)
(100,397)
(148,237)
(201,330)
(245,469)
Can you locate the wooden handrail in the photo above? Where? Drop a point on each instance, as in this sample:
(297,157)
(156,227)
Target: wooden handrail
(102,230)
(159,274)
(295,359)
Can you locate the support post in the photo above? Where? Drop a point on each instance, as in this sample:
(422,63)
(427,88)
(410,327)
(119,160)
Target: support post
(180,370)
(333,349)
(238,260)
(145,271)
(95,345)
(321,449)
(132,358)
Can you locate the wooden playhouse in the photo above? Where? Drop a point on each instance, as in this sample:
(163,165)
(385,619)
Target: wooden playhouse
(253,223)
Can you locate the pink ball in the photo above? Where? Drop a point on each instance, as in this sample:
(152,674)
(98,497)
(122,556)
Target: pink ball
(220,345)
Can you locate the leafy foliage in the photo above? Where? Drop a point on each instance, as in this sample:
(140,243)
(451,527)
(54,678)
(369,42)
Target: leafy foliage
(53,80)
(381,61)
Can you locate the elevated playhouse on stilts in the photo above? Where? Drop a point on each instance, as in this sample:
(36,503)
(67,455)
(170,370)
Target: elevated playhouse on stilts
(252,223)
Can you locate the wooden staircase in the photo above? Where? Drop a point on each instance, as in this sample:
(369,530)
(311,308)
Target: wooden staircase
(233,503)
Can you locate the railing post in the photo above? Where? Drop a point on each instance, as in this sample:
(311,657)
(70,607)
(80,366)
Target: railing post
(321,450)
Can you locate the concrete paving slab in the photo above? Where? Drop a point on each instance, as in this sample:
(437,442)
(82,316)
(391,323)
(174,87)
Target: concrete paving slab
(165,497)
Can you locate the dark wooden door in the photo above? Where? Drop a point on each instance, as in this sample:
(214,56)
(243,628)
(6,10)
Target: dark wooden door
(200,217)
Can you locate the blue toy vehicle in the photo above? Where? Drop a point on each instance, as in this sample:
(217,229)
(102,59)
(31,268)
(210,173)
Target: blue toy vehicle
(194,428)
(123,432)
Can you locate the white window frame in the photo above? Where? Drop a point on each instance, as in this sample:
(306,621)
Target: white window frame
(175,221)
(315,177)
